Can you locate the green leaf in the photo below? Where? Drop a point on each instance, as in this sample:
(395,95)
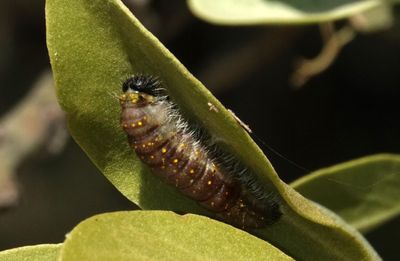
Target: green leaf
(157,235)
(374,19)
(247,12)
(45,252)
(93,46)
(364,192)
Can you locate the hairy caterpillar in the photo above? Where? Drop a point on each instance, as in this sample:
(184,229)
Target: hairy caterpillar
(163,141)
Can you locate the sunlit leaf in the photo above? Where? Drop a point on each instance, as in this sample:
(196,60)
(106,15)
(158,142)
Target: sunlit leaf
(45,252)
(157,235)
(240,12)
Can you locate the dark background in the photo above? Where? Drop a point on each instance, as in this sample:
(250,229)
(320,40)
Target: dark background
(350,110)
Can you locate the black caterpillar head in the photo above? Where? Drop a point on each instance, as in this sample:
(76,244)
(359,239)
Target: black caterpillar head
(142,83)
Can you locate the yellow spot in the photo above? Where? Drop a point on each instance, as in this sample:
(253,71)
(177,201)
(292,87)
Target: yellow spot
(209,182)
(149,144)
(196,152)
(133,97)
(191,171)
(175,161)
(151,156)
(241,205)
(133,125)
(123,96)
(140,123)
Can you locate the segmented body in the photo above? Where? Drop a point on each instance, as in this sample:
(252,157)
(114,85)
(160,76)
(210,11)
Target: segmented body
(161,142)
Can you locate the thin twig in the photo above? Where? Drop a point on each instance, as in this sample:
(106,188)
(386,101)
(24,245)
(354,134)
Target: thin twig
(307,68)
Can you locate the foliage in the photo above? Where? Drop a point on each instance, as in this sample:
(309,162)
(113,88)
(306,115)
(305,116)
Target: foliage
(157,235)
(233,12)
(364,192)
(93,46)
(45,252)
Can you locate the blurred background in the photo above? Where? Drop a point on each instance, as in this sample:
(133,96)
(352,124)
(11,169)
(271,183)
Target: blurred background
(349,110)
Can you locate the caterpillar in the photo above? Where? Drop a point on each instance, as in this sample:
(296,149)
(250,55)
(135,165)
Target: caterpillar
(164,142)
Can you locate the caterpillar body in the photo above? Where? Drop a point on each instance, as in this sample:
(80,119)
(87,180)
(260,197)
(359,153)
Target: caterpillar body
(163,141)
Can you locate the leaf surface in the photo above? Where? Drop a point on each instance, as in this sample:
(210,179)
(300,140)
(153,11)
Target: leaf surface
(365,192)
(242,12)
(45,252)
(161,235)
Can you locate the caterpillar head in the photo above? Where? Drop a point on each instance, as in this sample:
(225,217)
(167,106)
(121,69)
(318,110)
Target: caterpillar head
(140,89)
